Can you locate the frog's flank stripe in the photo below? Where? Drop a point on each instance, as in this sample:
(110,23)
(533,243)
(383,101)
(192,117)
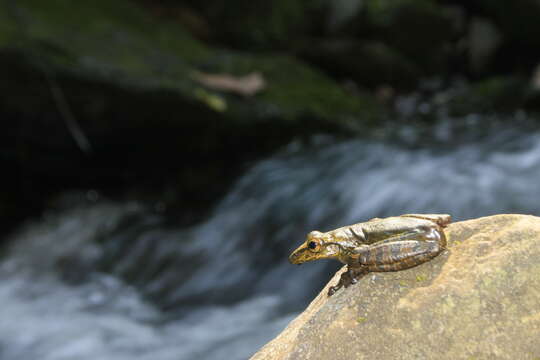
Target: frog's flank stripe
(417,249)
(386,255)
(372,256)
(396,252)
(379,254)
(409,260)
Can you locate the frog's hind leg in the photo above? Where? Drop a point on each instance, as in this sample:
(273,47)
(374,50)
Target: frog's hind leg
(395,253)
(402,255)
(403,252)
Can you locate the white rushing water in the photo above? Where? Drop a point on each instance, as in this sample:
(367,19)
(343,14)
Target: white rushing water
(43,317)
(101,280)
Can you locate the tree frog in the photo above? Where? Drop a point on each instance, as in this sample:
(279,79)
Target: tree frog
(390,244)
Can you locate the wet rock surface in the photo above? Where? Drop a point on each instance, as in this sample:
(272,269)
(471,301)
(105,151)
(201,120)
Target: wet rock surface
(480,300)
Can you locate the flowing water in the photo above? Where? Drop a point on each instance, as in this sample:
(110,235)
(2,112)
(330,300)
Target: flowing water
(95,279)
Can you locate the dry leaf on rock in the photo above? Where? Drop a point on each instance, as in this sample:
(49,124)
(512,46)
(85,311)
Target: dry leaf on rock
(247,85)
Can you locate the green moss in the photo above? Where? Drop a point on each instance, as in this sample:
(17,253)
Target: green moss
(294,85)
(213,101)
(361,319)
(118,43)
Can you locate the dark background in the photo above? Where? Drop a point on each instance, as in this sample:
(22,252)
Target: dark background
(104,95)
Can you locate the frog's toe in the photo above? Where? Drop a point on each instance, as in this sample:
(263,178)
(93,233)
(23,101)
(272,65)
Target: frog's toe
(332,290)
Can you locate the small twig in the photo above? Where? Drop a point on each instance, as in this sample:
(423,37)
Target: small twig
(57,93)
(67,115)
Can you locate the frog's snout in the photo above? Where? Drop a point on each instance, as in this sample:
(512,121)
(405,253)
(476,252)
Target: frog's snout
(293,258)
(297,257)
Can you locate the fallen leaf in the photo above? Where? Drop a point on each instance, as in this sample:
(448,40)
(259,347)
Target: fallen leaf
(247,85)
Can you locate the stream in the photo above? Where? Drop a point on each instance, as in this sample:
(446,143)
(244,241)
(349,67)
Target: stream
(97,279)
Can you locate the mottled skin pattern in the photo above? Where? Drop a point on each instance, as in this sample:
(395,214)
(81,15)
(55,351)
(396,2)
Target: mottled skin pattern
(390,244)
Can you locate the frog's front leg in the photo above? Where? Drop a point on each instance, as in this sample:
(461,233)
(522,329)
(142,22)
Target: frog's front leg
(349,277)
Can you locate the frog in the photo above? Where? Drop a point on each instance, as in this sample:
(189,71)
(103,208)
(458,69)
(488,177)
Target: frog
(378,245)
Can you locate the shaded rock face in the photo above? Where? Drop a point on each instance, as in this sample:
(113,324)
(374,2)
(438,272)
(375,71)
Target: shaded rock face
(129,81)
(479,300)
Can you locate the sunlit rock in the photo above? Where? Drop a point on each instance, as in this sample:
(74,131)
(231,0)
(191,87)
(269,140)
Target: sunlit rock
(480,300)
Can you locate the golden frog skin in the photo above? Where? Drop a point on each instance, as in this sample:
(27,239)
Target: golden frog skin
(390,244)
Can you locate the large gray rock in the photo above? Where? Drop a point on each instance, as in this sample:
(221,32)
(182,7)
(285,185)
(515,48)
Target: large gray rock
(480,300)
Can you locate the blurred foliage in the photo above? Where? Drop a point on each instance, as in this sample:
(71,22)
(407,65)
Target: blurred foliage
(126,70)
(119,43)
(127,77)
(252,24)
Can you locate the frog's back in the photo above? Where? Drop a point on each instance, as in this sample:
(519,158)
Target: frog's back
(381,229)
(439,219)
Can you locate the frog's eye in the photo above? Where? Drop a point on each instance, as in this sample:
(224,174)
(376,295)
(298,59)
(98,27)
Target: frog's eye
(314,246)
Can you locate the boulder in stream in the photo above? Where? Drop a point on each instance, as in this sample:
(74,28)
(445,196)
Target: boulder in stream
(479,300)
